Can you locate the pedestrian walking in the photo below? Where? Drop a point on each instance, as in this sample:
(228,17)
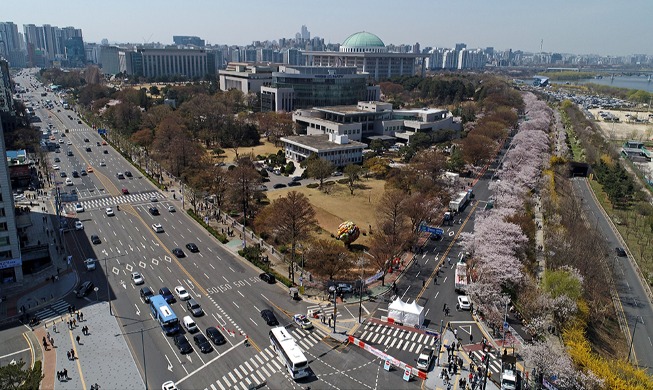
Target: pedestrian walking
(52,341)
(78,316)
(81,316)
(47,336)
(54,328)
(444,308)
(68,354)
(449,260)
(446,312)
(65,373)
(59,376)
(78,338)
(471,338)
(45,344)
(74,322)
(72,353)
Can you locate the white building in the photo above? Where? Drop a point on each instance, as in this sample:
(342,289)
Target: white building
(337,149)
(247,78)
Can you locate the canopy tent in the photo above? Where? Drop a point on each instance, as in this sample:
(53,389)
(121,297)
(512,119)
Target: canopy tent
(396,310)
(409,314)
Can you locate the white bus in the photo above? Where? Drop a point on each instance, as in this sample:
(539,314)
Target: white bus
(289,352)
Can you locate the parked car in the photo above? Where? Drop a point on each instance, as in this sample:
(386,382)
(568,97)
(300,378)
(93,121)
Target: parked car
(345,288)
(215,336)
(202,343)
(269,317)
(84,289)
(268,278)
(464,303)
(182,344)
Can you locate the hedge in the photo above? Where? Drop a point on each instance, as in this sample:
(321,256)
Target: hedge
(221,237)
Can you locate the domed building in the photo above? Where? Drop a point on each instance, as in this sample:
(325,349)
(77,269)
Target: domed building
(368,54)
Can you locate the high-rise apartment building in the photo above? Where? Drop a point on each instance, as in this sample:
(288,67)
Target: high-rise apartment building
(11,47)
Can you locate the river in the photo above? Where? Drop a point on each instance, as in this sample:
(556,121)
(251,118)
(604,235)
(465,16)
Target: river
(629,82)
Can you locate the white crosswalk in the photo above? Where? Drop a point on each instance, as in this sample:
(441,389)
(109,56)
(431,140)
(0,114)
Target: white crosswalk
(58,308)
(327,311)
(81,130)
(264,364)
(100,203)
(494,364)
(397,338)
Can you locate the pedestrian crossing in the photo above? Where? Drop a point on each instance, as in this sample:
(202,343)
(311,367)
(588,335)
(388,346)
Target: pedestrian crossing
(264,364)
(395,337)
(56,309)
(326,310)
(494,365)
(81,130)
(108,201)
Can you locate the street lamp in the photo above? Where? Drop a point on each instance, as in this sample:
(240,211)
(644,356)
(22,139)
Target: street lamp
(97,298)
(361,264)
(632,338)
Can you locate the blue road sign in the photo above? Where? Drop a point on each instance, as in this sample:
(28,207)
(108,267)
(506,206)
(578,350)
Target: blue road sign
(102,131)
(431,229)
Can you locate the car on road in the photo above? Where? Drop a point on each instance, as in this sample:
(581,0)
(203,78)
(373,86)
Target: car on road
(75,174)
(95,239)
(84,289)
(182,344)
(269,317)
(137,278)
(97,143)
(189,324)
(194,308)
(620,252)
(79,225)
(60,141)
(104,142)
(425,358)
(153,210)
(153,198)
(109,212)
(345,288)
(83,172)
(125,191)
(102,164)
(267,277)
(178,252)
(90,264)
(128,173)
(294,184)
(279,185)
(182,293)
(302,321)
(56,167)
(85,139)
(79,208)
(167,295)
(169,385)
(105,151)
(57,159)
(171,208)
(337,173)
(202,343)
(214,334)
(192,247)
(69,181)
(69,143)
(146,294)
(464,303)
(89,169)
(120,176)
(63,174)
(157,228)
(69,153)
(88,148)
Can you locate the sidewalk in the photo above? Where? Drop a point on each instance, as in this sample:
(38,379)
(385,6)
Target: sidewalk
(92,353)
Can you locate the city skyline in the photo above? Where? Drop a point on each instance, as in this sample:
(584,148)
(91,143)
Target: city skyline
(582,27)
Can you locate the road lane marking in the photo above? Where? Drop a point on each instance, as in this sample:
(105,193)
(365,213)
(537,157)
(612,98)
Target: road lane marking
(15,353)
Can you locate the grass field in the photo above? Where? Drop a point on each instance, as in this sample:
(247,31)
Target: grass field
(338,206)
(265,148)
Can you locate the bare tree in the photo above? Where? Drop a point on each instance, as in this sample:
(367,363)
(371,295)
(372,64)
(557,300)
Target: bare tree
(244,180)
(328,258)
(319,169)
(353,173)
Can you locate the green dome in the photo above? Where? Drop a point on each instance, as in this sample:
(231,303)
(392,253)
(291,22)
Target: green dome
(363,39)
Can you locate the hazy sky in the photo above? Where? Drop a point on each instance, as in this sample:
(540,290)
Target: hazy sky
(566,26)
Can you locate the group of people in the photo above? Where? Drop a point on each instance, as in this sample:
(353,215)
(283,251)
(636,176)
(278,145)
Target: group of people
(62,375)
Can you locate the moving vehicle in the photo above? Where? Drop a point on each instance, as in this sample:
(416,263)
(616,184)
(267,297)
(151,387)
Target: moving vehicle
(69,181)
(120,176)
(79,225)
(425,358)
(171,208)
(95,239)
(84,289)
(137,278)
(153,210)
(169,385)
(182,293)
(146,294)
(128,173)
(464,303)
(266,277)
(125,191)
(162,312)
(289,352)
(83,172)
(90,264)
(157,228)
(345,288)
(189,324)
(192,247)
(79,208)
(269,317)
(461,278)
(167,295)
(109,212)
(182,344)
(620,252)
(459,203)
(153,198)
(215,336)
(202,343)
(178,252)
(194,308)
(302,321)
(508,380)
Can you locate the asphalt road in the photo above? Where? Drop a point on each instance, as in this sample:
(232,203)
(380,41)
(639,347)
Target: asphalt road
(633,300)
(227,288)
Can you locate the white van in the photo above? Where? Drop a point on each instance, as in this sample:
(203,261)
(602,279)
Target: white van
(189,324)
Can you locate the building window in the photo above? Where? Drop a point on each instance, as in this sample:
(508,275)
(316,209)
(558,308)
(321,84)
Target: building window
(2,212)
(4,255)
(4,241)
(3,226)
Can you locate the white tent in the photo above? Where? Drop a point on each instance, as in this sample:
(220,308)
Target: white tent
(396,310)
(413,314)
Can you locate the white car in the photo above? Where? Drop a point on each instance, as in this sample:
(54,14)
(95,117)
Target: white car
(79,208)
(137,278)
(79,225)
(182,293)
(171,208)
(90,264)
(69,181)
(302,321)
(109,212)
(157,228)
(103,164)
(69,143)
(169,385)
(56,167)
(60,140)
(464,303)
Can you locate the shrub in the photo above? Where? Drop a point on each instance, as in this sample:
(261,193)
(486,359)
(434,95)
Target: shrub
(313,185)
(253,255)
(221,237)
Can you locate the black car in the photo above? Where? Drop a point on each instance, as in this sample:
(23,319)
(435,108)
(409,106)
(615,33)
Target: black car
(279,185)
(215,335)
(154,211)
(84,289)
(88,149)
(178,252)
(182,343)
(63,174)
(105,151)
(202,343)
(192,247)
(194,308)
(57,159)
(85,139)
(75,174)
(167,294)
(146,294)
(95,239)
(128,173)
(266,277)
(294,183)
(620,252)
(269,317)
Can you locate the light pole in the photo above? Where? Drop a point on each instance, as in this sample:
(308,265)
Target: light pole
(144,360)
(632,338)
(106,278)
(505,322)
(361,264)
(97,298)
